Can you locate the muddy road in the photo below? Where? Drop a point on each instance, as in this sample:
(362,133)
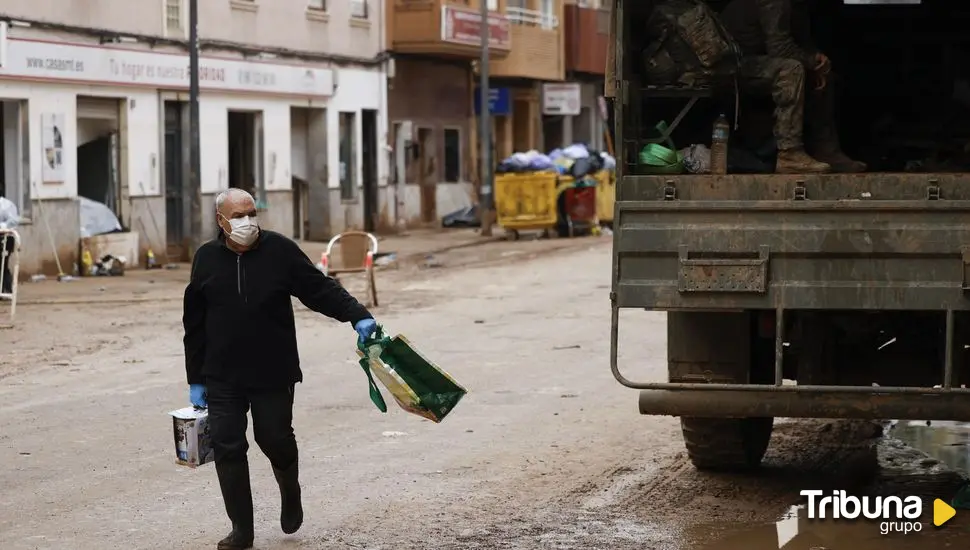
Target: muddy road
(546,451)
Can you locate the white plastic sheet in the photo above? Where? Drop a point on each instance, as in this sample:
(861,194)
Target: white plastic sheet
(9,216)
(96,218)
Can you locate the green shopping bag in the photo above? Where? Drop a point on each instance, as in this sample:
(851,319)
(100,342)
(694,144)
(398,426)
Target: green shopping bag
(417,384)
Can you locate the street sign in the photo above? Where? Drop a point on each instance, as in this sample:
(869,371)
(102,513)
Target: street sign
(561,99)
(499,101)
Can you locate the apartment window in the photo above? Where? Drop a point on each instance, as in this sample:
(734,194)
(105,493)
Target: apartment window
(452,155)
(317,5)
(548,19)
(348,156)
(358,8)
(174,25)
(15,154)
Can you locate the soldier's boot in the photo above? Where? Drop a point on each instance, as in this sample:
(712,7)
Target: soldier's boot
(291,513)
(797,161)
(840,162)
(237,495)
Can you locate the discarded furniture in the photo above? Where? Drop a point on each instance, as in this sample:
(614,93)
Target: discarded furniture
(356,250)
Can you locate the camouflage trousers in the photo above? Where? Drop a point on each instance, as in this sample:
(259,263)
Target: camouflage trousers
(784,80)
(801,111)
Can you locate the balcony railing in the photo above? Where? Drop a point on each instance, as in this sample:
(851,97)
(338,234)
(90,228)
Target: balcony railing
(532,18)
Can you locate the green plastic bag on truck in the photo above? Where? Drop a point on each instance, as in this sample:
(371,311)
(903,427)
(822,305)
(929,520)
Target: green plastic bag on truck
(417,384)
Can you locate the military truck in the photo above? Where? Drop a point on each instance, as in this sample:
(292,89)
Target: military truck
(805,296)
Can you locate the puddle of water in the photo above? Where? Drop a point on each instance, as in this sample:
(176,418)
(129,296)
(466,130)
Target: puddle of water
(948,442)
(794,531)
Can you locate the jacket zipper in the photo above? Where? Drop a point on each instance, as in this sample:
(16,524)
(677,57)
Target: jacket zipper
(240,278)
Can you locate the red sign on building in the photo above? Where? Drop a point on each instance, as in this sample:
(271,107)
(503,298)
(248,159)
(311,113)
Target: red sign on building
(464,26)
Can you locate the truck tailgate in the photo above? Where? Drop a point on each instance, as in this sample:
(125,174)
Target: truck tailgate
(873,241)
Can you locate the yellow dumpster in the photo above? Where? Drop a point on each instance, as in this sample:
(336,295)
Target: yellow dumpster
(526,201)
(605,195)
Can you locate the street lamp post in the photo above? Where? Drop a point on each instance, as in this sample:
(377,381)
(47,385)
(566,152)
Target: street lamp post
(484,128)
(195,161)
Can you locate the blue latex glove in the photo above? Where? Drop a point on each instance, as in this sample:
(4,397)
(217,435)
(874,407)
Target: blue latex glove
(198,396)
(365,328)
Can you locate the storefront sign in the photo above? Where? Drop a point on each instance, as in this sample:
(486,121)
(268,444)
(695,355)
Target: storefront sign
(464,26)
(499,101)
(561,99)
(92,64)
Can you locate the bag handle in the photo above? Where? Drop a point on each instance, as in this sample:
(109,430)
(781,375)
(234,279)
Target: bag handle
(377,338)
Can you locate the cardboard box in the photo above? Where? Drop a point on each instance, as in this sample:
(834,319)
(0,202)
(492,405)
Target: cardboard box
(193,447)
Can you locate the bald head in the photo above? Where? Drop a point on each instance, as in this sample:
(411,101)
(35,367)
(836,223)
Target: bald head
(235,207)
(234,199)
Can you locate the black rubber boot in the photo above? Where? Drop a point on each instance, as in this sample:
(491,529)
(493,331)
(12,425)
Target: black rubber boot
(237,495)
(291,514)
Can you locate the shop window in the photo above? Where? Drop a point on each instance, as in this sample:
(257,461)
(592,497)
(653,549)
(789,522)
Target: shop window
(452,155)
(348,156)
(15,157)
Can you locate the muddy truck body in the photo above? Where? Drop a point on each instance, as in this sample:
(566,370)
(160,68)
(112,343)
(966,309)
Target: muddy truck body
(839,296)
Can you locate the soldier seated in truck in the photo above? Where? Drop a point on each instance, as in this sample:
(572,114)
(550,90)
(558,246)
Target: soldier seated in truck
(775,38)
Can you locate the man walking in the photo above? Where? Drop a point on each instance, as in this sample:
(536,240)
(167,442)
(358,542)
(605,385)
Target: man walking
(779,54)
(241,351)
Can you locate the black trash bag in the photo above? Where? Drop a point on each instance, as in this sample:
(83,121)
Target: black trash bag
(466,217)
(586,166)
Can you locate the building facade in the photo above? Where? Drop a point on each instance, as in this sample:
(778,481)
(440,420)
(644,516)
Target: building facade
(587,25)
(95,105)
(536,58)
(434,44)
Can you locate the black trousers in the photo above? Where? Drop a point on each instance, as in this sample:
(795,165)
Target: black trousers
(272,423)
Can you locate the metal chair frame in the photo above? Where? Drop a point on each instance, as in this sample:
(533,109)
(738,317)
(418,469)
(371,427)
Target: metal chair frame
(366,267)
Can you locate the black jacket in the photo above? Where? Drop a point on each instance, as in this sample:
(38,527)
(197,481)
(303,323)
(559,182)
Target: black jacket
(777,28)
(238,316)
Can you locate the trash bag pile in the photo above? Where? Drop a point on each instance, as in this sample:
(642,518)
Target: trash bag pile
(576,160)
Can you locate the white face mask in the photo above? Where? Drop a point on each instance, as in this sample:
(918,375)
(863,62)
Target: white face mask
(244,230)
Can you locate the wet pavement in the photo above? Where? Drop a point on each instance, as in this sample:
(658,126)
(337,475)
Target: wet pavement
(926,459)
(948,442)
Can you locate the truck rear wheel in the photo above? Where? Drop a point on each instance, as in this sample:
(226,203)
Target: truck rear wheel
(720,347)
(726,443)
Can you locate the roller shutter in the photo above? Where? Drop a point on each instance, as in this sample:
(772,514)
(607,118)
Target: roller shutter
(97,108)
